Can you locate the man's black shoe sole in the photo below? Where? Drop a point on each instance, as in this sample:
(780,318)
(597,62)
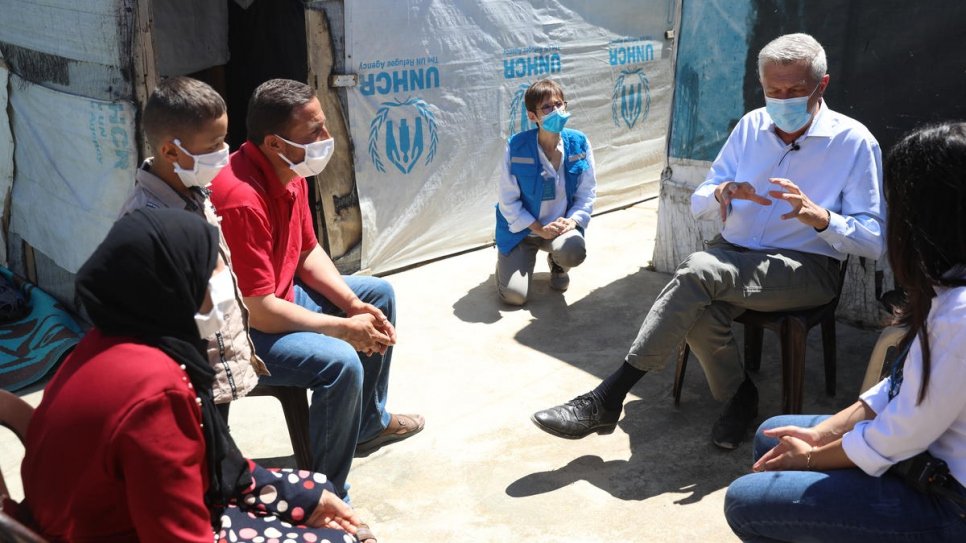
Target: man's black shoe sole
(600,430)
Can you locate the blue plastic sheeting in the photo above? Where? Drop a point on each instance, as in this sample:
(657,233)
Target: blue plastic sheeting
(709,94)
(30,347)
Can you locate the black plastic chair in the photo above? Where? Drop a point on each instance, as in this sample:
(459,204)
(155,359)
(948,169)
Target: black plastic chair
(295,407)
(792,328)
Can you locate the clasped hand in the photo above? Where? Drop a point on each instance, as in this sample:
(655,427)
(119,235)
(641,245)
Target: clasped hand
(367,329)
(803,208)
(556,228)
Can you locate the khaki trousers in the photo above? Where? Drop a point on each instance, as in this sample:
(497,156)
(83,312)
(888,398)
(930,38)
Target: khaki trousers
(712,287)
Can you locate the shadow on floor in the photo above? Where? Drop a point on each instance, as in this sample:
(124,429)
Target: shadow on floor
(481,303)
(669,454)
(595,332)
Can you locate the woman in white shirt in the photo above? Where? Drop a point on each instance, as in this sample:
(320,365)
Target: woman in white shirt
(829,478)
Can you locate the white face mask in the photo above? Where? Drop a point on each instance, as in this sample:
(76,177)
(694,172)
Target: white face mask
(317,155)
(205,169)
(222,292)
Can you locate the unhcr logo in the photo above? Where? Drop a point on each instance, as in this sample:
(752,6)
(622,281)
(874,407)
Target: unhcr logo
(624,51)
(532,61)
(401,130)
(631,99)
(518,111)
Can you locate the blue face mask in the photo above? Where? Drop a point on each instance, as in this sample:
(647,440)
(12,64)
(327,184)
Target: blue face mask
(790,115)
(555,121)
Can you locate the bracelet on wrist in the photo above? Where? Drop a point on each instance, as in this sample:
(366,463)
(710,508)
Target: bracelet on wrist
(808,459)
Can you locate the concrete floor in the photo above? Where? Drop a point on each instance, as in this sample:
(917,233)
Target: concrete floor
(481,471)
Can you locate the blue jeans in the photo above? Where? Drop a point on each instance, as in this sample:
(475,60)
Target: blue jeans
(836,505)
(348,389)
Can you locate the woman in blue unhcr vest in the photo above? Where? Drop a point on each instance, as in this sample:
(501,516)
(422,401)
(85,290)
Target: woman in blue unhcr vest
(546,196)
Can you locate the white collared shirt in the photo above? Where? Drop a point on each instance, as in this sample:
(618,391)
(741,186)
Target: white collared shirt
(512,206)
(901,428)
(838,165)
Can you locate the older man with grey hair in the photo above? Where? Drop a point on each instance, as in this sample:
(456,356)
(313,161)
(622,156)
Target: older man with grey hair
(799,188)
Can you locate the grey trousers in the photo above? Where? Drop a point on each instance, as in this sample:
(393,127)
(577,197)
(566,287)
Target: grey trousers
(712,287)
(514,271)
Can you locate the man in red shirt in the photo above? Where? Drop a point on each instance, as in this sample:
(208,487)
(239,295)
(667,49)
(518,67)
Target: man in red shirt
(312,326)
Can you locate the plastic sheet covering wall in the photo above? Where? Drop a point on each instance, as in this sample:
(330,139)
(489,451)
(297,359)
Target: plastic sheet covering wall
(441,88)
(75,160)
(6,153)
(77,47)
(86,31)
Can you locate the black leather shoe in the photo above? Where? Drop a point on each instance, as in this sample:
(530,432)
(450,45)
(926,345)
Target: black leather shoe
(577,418)
(729,430)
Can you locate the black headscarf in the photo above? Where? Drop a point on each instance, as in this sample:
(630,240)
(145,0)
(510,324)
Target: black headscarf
(147,280)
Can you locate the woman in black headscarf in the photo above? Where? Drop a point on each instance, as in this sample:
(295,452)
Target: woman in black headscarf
(126,444)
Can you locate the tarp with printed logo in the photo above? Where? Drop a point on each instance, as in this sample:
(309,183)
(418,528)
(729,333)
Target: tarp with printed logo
(441,89)
(75,160)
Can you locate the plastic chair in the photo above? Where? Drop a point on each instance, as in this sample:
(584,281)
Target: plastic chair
(792,328)
(295,407)
(15,414)
(883,351)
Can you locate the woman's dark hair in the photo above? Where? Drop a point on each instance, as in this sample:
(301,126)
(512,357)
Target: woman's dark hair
(271,105)
(540,91)
(925,188)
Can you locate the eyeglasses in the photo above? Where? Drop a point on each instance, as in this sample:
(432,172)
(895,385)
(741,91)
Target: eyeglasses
(550,107)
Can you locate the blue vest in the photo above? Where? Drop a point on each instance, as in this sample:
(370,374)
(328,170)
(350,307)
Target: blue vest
(525,166)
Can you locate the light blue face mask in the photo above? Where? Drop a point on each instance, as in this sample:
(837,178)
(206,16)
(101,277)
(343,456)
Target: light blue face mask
(555,121)
(791,114)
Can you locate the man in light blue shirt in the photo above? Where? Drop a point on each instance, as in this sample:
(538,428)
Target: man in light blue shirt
(799,187)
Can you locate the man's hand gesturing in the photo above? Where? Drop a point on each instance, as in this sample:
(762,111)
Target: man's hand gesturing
(734,190)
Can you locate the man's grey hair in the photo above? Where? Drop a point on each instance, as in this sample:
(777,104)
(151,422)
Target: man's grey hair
(794,48)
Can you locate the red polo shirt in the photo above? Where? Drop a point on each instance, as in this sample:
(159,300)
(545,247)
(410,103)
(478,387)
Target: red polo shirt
(267,225)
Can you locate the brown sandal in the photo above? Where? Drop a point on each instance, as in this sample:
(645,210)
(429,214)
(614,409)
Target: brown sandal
(400,427)
(364,534)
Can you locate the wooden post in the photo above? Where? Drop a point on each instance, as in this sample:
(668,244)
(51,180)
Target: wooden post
(144,67)
(29,263)
(341,216)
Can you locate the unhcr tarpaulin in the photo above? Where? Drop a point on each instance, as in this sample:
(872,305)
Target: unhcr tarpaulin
(62,143)
(74,150)
(440,89)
